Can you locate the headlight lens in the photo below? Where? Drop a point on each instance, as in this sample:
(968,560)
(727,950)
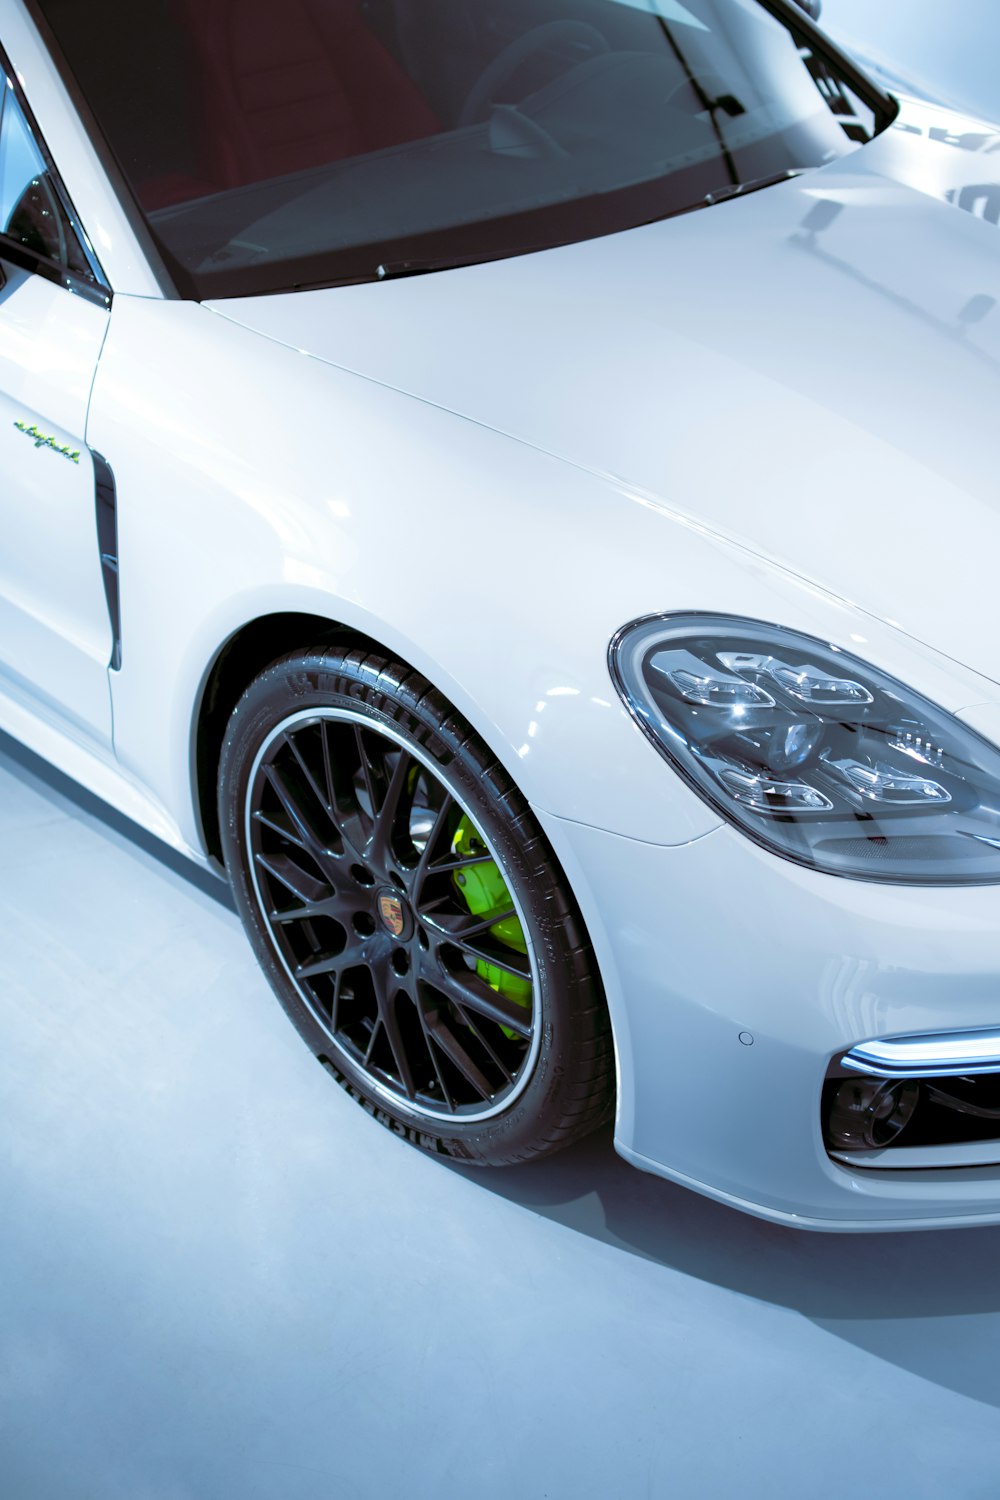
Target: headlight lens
(814,754)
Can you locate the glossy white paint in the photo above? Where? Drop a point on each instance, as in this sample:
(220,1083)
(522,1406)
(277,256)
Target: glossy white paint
(774,409)
(791,370)
(701,944)
(47,733)
(943,52)
(55,635)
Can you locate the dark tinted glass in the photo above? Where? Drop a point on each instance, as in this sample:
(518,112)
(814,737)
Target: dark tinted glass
(32,215)
(313,141)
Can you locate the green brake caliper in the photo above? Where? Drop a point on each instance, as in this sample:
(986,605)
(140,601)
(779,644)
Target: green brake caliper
(483,890)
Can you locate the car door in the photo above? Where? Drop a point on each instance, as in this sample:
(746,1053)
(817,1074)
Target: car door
(56,636)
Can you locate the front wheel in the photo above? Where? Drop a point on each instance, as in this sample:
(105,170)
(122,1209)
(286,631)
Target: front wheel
(408,911)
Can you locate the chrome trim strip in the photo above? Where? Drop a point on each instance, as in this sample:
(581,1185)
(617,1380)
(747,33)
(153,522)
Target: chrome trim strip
(949,1054)
(951,1157)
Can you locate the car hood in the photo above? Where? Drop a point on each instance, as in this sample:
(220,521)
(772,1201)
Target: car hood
(811,372)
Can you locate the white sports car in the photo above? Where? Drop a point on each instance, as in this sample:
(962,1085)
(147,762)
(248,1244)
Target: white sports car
(582,658)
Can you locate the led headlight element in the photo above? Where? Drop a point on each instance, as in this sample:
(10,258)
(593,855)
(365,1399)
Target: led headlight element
(701,682)
(811,752)
(807,685)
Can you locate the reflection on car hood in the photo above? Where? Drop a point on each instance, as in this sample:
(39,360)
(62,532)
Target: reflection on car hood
(812,371)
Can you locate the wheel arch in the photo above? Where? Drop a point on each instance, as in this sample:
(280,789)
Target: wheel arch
(245,653)
(241,657)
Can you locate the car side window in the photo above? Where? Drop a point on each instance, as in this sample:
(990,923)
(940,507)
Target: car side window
(32,214)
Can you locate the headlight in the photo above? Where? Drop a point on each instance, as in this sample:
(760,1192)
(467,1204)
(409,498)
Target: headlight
(812,753)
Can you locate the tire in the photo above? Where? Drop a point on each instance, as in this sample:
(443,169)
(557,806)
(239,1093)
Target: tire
(409,912)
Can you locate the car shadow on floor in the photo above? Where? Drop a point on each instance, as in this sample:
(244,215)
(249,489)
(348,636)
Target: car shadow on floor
(920,1300)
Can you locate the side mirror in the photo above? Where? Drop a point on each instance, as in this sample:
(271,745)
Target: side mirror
(812,8)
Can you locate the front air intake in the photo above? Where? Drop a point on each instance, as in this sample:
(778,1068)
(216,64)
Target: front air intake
(904,1101)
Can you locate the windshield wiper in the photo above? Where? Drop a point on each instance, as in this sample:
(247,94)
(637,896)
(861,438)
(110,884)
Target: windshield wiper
(740,189)
(392,270)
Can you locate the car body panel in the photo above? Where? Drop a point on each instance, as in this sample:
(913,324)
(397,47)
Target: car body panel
(792,333)
(489,472)
(733,978)
(55,634)
(325,476)
(330,471)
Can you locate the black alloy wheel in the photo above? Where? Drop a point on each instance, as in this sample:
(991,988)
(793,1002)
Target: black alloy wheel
(409,912)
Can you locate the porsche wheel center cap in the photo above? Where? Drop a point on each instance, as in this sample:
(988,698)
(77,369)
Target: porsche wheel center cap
(394,913)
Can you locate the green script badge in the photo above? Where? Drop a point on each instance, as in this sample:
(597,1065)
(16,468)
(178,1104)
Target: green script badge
(41,440)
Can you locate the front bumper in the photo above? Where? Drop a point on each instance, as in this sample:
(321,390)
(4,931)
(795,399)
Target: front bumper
(734,977)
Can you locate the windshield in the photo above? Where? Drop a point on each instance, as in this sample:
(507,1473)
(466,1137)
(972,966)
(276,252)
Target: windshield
(309,142)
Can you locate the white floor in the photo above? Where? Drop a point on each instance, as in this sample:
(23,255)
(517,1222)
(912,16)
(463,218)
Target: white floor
(219,1280)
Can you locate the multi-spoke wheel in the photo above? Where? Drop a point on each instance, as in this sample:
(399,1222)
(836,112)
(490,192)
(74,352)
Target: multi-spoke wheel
(409,912)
